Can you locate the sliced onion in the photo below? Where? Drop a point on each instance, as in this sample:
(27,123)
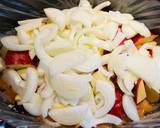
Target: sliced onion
(129,81)
(118,39)
(32,53)
(29,26)
(46,105)
(24,37)
(92,63)
(140,28)
(82,16)
(130,108)
(31,85)
(12,43)
(47,91)
(31,21)
(146,69)
(70,87)
(108,92)
(58,47)
(105,72)
(110,30)
(96,42)
(66,61)
(123,88)
(69,115)
(34,105)
(39,49)
(12,78)
(107,119)
(119,17)
(56,16)
(128,31)
(102,5)
(85,4)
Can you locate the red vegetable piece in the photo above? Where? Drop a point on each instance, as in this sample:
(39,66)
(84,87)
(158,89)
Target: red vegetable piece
(18,59)
(117,109)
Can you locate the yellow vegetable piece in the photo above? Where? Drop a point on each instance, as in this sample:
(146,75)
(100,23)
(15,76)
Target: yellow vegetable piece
(146,40)
(152,95)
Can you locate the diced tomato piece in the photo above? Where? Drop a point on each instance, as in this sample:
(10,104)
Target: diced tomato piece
(117,109)
(18,59)
(137,38)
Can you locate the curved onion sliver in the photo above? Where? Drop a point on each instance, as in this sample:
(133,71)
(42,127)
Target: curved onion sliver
(108,92)
(110,30)
(70,87)
(66,61)
(46,105)
(102,5)
(92,62)
(108,119)
(128,31)
(121,85)
(119,17)
(31,21)
(130,108)
(48,32)
(12,43)
(69,115)
(56,16)
(140,28)
(34,105)
(146,69)
(58,46)
(82,16)
(12,78)
(85,4)
(31,85)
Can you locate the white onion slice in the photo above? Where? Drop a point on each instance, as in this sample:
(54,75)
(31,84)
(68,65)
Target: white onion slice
(146,69)
(57,47)
(56,16)
(47,91)
(122,87)
(108,92)
(34,105)
(70,87)
(92,63)
(128,31)
(66,61)
(130,108)
(82,16)
(110,30)
(12,43)
(31,20)
(107,119)
(31,85)
(105,72)
(12,78)
(118,39)
(24,37)
(119,17)
(85,4)
(29,26)
(46,105)
(102,5)
(140,28)
(69,115)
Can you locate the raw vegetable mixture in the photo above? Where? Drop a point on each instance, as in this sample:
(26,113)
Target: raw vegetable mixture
(83,66)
